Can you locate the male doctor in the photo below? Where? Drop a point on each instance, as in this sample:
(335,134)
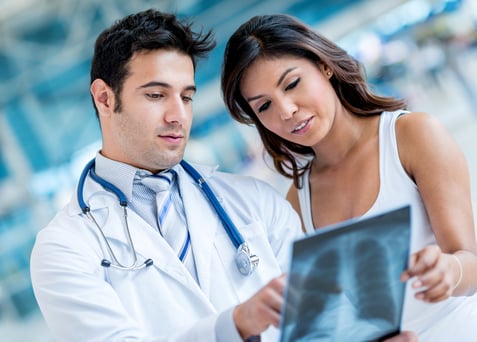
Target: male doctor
(142,85)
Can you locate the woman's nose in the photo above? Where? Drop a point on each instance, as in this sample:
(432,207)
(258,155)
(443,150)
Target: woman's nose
(288,109)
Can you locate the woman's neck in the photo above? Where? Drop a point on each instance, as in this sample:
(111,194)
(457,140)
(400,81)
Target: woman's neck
(348,133)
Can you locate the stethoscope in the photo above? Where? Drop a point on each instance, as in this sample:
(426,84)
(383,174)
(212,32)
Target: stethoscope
(246,261)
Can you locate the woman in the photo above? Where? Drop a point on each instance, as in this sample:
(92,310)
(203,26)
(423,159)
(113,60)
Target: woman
(352,153)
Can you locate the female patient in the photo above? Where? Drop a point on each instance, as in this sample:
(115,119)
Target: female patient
(352,153)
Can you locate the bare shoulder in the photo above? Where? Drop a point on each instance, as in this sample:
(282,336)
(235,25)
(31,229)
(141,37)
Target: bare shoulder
(422,129)
(417,122)
(422,137)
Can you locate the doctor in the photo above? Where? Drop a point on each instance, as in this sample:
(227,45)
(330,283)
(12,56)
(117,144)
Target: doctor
(142,86)
(102,270)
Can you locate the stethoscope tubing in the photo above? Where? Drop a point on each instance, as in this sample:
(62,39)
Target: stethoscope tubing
(230,227)
(232,231)
(124,203)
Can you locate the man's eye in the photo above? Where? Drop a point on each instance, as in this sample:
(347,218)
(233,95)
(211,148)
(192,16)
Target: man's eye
(187,98)
(264,107)
(293,84)
(154,95)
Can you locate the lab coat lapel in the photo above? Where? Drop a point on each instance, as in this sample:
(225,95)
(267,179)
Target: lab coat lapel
(152,245)
(202,223)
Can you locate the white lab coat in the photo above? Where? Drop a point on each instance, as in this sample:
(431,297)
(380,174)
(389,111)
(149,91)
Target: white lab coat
(83,301)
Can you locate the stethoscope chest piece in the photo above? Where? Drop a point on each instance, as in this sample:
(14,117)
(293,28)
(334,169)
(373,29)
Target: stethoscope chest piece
(246,262)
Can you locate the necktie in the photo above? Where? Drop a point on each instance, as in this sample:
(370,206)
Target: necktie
(170,215)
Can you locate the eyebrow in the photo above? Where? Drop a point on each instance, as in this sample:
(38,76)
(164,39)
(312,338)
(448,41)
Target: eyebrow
(280,80)
(165,85)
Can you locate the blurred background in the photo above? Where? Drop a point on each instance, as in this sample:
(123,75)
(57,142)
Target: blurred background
(422,50)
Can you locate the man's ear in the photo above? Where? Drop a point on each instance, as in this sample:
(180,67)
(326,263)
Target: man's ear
(103,97)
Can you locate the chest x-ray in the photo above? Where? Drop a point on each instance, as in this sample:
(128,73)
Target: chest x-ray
(343,283)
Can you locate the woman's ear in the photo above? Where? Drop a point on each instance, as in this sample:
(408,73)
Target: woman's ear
(326,70)
(103,97)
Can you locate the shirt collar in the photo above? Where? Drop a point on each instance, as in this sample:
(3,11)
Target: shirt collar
(119,174)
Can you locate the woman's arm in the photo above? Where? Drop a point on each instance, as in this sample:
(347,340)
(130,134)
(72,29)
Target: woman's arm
(435,162)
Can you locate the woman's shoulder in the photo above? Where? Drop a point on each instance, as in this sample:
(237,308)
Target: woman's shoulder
(418,126)
(423,137)
(406,116)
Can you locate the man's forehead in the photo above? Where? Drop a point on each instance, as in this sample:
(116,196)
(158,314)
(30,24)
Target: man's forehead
(161,68)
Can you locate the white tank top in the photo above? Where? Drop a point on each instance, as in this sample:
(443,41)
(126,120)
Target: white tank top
(397,190)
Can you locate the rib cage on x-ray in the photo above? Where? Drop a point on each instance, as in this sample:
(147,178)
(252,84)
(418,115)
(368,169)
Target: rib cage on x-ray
(346,287)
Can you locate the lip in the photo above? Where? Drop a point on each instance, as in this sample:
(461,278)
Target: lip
(172,137)
(303,126)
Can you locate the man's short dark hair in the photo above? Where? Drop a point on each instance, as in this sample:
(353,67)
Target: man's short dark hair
(143,31)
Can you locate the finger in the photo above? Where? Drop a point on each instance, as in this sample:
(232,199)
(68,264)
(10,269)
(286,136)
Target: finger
(407,274)
(278,283)
(272,294)
(275,318)
(270,310)
(430,278)
(435,294)
(275,300)
(425,259)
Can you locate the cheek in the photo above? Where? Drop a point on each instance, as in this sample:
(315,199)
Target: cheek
(269,123)
(132,128)
(321,94)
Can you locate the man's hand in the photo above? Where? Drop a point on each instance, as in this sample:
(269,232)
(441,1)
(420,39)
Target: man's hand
(262,310)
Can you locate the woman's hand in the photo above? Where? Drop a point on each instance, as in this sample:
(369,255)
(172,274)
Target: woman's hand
(436,274)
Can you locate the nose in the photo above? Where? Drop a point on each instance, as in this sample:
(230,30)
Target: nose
(288,108)
(176,111)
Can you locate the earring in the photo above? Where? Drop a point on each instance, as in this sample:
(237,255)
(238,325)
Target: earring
(328,73)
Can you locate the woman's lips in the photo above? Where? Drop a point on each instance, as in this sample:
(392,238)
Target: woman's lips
(302,127)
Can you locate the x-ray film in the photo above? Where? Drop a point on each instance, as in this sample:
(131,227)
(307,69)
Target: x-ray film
(343,283)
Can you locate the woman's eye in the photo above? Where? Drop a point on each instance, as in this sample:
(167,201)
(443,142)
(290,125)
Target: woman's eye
(293,84)
(264,107)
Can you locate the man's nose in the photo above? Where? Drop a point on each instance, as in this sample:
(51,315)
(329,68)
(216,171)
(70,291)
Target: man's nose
(176,110)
